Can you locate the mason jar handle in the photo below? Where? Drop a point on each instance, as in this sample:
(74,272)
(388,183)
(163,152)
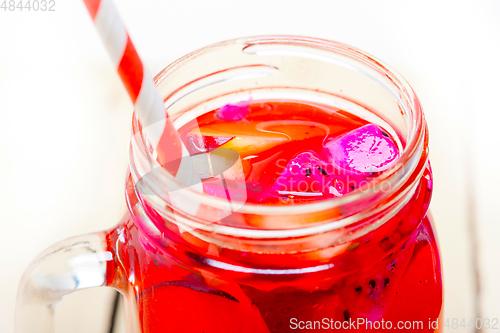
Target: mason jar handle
(73,264)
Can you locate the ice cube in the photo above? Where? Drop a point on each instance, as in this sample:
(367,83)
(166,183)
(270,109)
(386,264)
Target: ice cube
(366,150)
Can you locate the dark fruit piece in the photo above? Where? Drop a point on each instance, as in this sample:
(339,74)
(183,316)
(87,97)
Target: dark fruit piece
(197,287)
(186,307)
(305,175)
(280,305)
(368,295)
(417,294)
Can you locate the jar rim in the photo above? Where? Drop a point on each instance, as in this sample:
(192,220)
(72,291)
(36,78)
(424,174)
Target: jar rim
(410,159)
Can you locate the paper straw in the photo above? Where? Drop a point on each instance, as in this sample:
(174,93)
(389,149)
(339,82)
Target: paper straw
(148,104)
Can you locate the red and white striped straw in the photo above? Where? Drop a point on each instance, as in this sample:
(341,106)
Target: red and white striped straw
(148,104)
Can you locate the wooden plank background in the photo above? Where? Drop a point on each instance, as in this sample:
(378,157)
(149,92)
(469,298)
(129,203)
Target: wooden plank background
(65,123)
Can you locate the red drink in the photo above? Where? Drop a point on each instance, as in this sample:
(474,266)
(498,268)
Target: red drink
(184,283)
(311,214)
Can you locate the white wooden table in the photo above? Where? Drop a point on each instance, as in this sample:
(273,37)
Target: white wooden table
(65,122)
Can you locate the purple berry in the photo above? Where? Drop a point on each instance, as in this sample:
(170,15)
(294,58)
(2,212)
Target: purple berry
(233,112)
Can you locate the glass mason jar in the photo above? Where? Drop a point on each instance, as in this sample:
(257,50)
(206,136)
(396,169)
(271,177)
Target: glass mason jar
(185,261)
